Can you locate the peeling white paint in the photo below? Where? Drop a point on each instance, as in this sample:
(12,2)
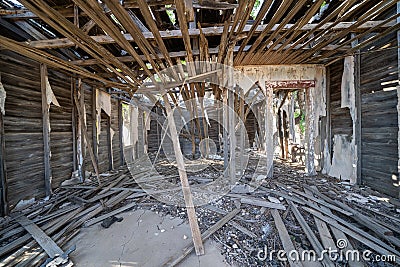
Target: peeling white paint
(50,97)
(343,157)
(2,99)
(344,161)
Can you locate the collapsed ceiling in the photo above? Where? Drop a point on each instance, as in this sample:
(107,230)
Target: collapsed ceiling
(122,44)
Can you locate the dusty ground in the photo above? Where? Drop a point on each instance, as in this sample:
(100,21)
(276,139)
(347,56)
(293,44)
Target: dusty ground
(143,238)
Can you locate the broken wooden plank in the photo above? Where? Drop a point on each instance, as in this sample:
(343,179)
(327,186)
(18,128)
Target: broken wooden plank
(363,237)
(92,157)
(262,203)
(364,220)
(188,249)
(317,246)
(51,248)
(232,223)
(46,129)
(4,209)
(187,194)
(285,238)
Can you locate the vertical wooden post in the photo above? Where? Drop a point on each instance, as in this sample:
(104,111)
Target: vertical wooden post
(121,133)
(74,126)
(3,171)
(310,132)
(280,133)
(187,194)
(357,123)
(242,130)
(398,96)
(109,145)
(95,125)
(81,129)
(285,133)
(232,135)
(46,131)
(269,127)
(328,120)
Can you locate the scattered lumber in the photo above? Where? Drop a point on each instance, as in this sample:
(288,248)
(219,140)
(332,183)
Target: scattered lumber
(316,244)
(38,232)
(284,236)
(262,203)
(174,261)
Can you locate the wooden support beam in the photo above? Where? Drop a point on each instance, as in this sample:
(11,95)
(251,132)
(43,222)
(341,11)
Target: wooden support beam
(4,209)
(109,145)
(299,84)
(242,128)
(92,157)
(398,98)
(121,132)
(51,60)
(46,130)
(82,40)
(284,236)
(74,126)
(358,108)
(95,126)
(225,126)
(208,31)
(232,134)
(310,132)
(81,140)
(188,249)
(268,127)
(187,194)
(88,26)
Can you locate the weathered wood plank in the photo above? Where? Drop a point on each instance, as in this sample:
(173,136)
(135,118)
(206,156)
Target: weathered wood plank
(284,236)
(188,249)
(198,244)
(3,172)
(208,31)
(262,203)
(46,130)
(51,248)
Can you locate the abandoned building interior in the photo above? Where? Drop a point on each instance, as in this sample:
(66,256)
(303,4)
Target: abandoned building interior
(199,133)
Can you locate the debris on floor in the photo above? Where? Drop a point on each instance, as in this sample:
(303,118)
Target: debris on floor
(290,212)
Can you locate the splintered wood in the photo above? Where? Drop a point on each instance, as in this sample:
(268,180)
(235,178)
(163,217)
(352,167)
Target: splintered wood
(292,213)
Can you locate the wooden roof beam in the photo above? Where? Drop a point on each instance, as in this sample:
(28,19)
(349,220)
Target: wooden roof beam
(182,54)
(81,39)
(209,31)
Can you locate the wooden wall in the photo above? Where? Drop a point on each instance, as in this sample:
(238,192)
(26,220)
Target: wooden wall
(379,119)
(61,140)
(23,129)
